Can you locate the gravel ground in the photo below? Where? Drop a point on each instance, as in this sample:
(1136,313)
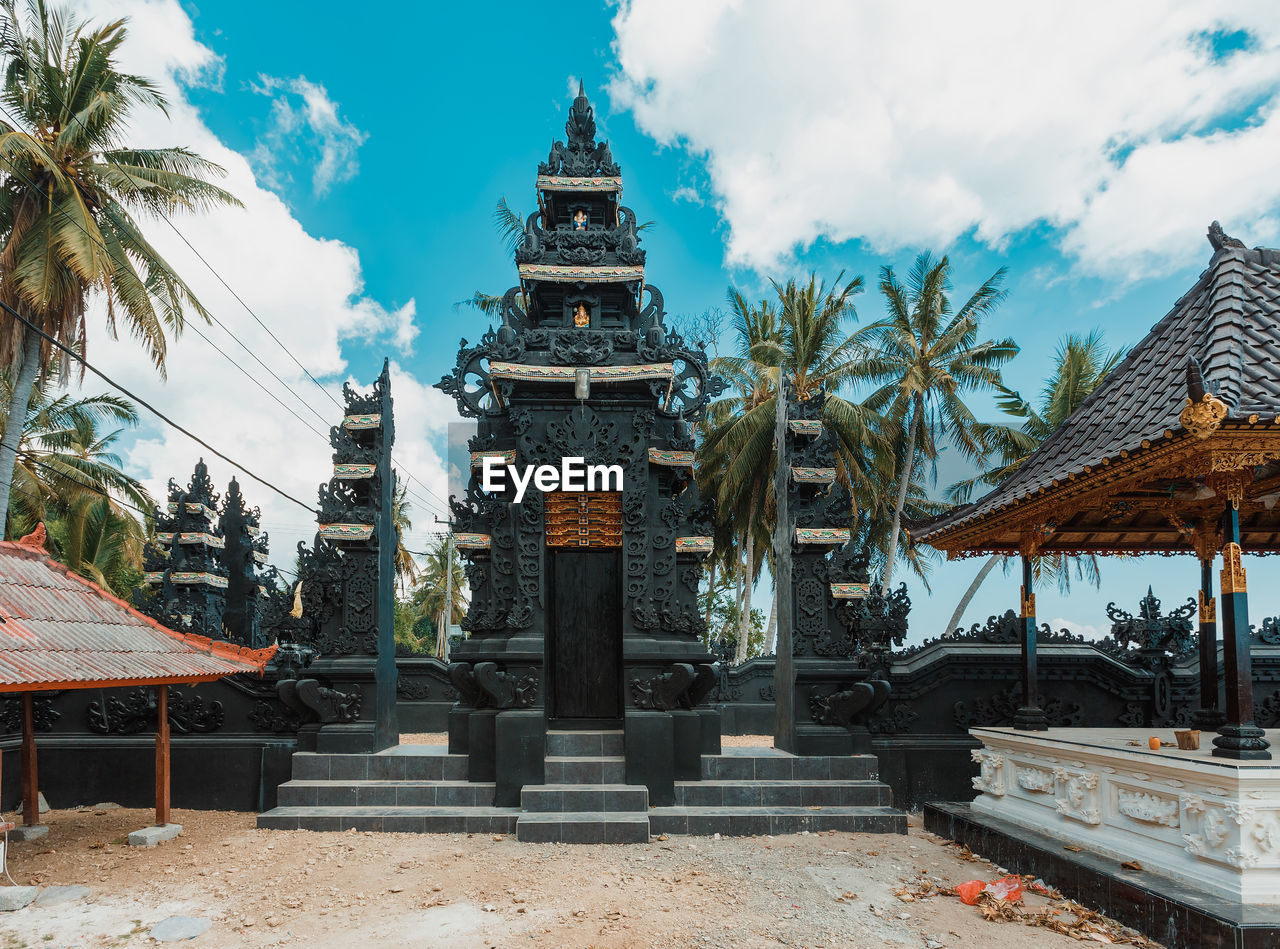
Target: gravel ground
(343,890)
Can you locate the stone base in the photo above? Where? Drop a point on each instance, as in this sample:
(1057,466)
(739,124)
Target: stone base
(157,834)
(1178,915)
(1205,821)
(29,832)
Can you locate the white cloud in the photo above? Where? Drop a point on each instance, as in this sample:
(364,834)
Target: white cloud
(302,112)
(1076,629)
(912,124)
(308,290)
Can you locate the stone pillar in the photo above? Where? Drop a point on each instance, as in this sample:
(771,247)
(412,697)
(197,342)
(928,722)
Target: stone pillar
(1209,716)
(30,778)
(1238,737)
(1030,717)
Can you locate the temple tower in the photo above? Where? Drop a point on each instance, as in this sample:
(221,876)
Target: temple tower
(584,598)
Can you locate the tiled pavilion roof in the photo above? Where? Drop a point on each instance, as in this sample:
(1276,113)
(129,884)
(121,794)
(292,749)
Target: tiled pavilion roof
(1222,336)
(61,631)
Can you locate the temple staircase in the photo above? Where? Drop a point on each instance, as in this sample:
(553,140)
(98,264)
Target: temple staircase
(745,791)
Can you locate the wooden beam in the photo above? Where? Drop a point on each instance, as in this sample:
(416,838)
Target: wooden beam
(30,776)
(162,755)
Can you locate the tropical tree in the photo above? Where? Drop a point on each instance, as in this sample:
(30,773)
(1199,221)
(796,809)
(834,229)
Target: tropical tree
(923,358)
(803,334)
(61,454)
(69,187)
(1080,365)
(442,578)
(405,566)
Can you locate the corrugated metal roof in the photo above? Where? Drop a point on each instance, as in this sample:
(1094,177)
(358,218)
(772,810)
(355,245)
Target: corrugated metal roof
(61,631)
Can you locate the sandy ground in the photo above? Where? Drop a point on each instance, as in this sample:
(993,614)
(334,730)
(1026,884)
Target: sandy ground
(276,888)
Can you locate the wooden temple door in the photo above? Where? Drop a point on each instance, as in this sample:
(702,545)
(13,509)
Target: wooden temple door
(584,641)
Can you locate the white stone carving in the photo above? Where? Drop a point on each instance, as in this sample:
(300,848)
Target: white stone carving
(990,779)
(1036,780)
(1147,807)
(1080,796)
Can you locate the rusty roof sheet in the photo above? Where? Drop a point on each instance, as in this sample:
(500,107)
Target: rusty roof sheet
(1229,322)
(61,631)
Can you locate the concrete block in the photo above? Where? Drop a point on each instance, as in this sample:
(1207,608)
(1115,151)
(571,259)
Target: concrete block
(16,897)
(25,832)
(150,836)
(57,895)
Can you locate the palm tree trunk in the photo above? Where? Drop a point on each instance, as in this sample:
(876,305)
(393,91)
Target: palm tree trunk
(744,617)
(711,598)
(15,417)
(963,605)
(771,631)
(904,482)
(737,598)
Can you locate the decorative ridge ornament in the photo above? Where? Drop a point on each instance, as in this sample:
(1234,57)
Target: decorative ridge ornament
(1204,417)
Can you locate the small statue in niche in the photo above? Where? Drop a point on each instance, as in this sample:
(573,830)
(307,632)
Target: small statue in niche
(579,220)
(580,316)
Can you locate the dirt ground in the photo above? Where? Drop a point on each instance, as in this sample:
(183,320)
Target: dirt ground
(347,890)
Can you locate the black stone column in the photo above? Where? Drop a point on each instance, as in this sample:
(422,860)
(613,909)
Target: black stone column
(1239,737)
(1209,716)
(1030,717)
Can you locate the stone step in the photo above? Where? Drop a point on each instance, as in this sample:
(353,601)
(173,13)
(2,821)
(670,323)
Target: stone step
(758,821)
(303,793)
(761,764)
(583,827)
(585,770)
(404,820)
(584,744)
(561,798)
(745,793)
(402,763)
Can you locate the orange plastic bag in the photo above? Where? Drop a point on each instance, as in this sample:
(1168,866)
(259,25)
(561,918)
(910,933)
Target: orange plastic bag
(1006,888)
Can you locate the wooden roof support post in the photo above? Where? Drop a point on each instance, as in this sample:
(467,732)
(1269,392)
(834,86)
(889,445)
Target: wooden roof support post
(162,755)
(1209,715)
(1239,737)
(30,772)
(1030,717)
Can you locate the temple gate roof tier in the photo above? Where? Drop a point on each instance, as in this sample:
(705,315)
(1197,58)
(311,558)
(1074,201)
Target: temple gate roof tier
(1188,420)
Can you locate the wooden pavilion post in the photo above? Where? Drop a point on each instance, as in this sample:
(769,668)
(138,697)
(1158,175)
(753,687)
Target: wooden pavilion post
(1030,717)
(1238,737)
(1209,716)
(30,775)
(162,755)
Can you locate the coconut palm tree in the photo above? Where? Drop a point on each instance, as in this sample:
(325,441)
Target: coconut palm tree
(435,586)
(69,187)
(61,455)
(804,335)
(1079,366)
(407,571)
(923,357)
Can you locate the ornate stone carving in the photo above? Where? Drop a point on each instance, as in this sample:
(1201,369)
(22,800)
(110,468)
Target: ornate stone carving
(1036,780)
(990,779)
(665,691)
(1079,799)
(1147,807)
(503,690)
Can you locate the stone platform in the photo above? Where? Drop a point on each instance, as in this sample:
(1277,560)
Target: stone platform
(584,798)
(1210,823)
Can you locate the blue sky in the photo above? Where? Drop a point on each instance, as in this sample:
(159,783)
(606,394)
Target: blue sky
(763,142)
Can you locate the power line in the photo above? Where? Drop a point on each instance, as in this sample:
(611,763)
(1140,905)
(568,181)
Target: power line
(151,408)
